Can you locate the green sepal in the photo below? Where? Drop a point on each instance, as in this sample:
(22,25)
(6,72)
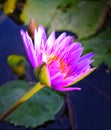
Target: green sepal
(42,74)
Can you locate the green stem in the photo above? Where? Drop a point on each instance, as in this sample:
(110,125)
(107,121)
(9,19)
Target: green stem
(23,99)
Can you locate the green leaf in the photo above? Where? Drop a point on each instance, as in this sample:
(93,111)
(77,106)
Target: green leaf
(83,18)
(101,45)
(42,11)
(40,108)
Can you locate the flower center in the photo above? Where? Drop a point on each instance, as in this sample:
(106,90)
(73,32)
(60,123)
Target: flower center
(63,65)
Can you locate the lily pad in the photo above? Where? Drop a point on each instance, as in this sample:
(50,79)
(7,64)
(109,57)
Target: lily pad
(81,17)
(101,46)
(40,108)
(42,11)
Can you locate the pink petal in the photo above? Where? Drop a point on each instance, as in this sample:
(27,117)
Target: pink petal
(29,49)
(39,37)
(67,89)
(50,41)
(61,37)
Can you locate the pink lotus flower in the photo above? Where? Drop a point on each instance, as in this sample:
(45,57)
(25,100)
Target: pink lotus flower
(61,55)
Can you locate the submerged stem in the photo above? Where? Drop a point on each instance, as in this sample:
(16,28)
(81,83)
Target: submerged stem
(71,113)
(23,99)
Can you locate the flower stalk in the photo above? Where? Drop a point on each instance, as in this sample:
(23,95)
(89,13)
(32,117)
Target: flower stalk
(23,99)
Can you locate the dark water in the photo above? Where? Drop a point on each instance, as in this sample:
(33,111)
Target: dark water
(91,105)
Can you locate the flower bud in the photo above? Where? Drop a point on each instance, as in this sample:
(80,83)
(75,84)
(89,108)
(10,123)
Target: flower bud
(31,27)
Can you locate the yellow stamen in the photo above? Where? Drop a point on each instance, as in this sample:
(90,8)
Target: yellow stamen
(63,64)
